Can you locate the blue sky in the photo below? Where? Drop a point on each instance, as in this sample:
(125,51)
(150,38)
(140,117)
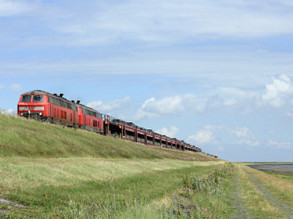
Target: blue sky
(218,74)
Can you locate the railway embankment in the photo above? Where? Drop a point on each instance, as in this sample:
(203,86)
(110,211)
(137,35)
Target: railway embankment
(20,137)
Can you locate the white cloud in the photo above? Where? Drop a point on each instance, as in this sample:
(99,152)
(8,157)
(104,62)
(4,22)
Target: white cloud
(170,132)
(152,108)
(202,137)
(280,145)
(164,21)
(11,8)
(170,20)
(211,134)
(245,136)
(276,93)
(243,132)
(206,135)
(232,96)
(109,107)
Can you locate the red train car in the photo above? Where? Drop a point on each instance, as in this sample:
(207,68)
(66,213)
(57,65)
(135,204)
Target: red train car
(90,119)
(44,106)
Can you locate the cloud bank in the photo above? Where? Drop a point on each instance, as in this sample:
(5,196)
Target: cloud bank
(275,94)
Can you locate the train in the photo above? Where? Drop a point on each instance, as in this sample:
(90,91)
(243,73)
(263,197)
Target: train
(53,108)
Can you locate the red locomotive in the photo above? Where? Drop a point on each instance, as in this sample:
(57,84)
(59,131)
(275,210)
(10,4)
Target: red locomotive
(55,108)
(48,107)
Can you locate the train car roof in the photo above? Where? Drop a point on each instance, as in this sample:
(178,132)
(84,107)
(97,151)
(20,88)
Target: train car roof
(86,107)
(40,92)
(36,92)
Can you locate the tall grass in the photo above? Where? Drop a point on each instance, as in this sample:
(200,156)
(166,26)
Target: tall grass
(107,197)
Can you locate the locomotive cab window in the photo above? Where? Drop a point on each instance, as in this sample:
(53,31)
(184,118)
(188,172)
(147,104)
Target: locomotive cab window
(38,98)
(26,98)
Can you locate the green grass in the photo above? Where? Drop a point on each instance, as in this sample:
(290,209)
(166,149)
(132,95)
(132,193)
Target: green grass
(285,176)
(29,138)
(44,192)
(61,172)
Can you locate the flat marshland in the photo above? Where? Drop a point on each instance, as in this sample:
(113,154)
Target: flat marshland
(48,171)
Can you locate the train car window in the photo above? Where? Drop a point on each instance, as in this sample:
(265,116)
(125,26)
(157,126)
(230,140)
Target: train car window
(53,100)
(95,123)
(38,98)
(57,102)
(26,98)
(85,111)
(48,99)
(63,104)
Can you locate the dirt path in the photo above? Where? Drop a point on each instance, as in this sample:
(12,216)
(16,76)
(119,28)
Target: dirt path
(4,201)
(237,203)
(285,209)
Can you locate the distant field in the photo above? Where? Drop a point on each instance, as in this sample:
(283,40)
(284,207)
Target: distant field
(286,168)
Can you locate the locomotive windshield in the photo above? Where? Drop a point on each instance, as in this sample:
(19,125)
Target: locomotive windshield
(38,99)
(26,98)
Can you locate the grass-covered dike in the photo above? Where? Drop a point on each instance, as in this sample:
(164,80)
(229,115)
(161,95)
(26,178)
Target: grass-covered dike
(29,138)
(50,171)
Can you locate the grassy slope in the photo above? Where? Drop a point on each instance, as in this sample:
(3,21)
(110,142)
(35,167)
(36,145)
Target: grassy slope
(28,138)
(48,167)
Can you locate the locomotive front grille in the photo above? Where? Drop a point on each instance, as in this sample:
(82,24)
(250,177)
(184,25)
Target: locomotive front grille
(36,108)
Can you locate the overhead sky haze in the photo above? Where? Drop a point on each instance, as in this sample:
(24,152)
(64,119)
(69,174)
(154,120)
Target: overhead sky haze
(218,74)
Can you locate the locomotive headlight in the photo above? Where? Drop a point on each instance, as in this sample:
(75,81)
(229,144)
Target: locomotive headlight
(41,114)
(21,114)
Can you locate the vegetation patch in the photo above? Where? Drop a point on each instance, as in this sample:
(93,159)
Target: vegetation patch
(205,196)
